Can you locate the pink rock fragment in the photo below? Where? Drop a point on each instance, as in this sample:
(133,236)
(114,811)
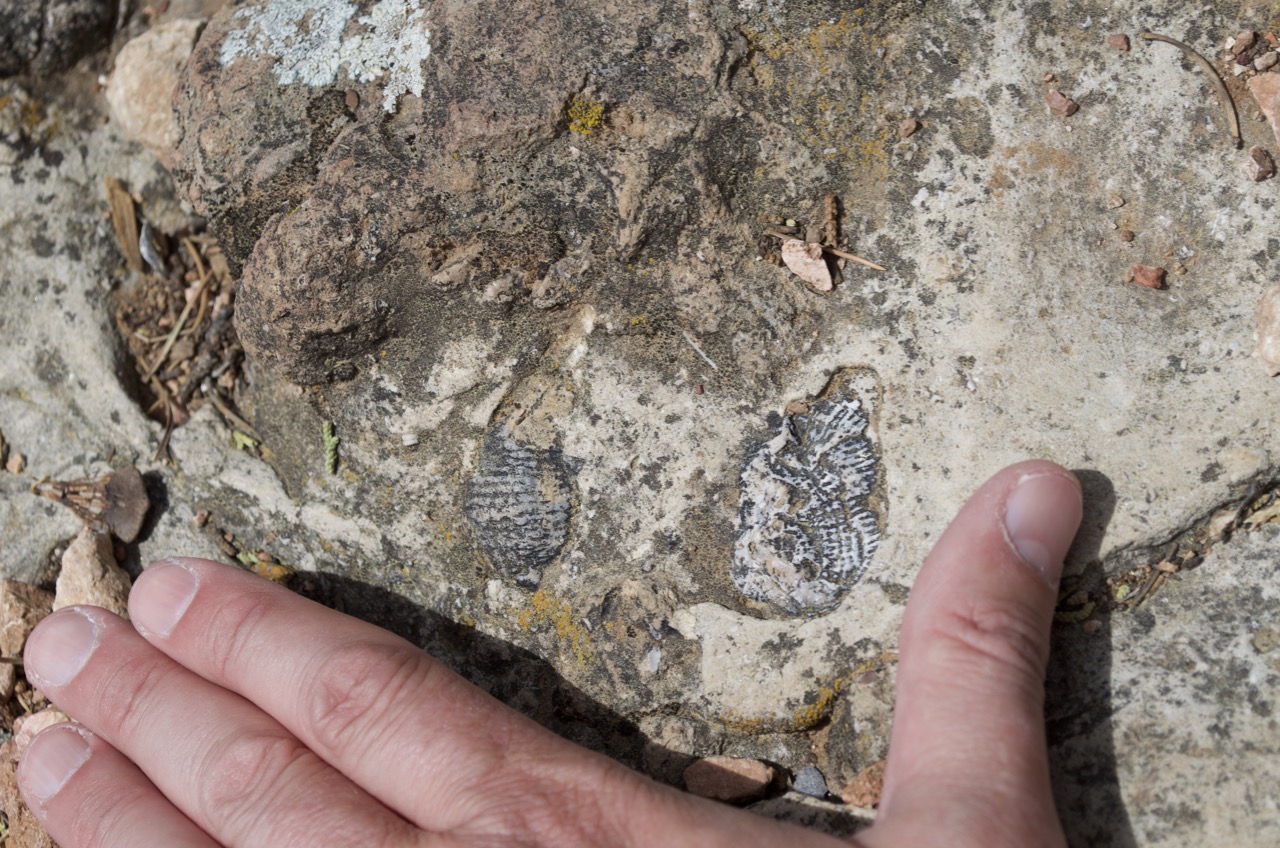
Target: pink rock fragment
(1060,104)
(807,263)
(1149,275)
(1266,90)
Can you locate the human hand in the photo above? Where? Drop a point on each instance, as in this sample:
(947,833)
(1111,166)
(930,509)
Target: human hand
(233,712)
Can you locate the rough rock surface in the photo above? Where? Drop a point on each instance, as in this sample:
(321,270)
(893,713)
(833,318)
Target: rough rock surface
(1211,719)
(555,239)
(1268,334)
(1265,88)
(24,829)
(91,576)
(22,607)
(46,36)
(140,88)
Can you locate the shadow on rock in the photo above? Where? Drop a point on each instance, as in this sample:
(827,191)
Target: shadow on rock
(518,678)
(1099,505)
(1079,701)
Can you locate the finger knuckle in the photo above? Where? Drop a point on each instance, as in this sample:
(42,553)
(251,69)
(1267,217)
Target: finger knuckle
(126,699)
(236,623)
(1000,638)
(359,690)
(244,773)
(108,815)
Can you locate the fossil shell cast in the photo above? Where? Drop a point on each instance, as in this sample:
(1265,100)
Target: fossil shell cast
(812,506)
(807,263)
(1269,330)
(520,501)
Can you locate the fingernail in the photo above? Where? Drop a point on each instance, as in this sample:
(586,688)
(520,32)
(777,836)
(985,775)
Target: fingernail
(160,599)
(60,646)
(1041,518)
(51,759)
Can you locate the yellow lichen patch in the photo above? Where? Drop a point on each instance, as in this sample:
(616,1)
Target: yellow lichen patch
(545,611)
(585,115)
(836,125)
(802,718)
(814,712)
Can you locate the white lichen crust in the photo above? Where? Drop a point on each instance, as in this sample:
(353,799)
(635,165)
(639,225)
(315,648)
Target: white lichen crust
(519,502)
(306,38)
(808,522)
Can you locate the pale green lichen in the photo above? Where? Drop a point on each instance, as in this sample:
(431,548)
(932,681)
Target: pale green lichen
(306,39)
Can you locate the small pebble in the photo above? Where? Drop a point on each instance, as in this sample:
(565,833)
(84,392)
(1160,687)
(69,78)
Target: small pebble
(809,781)
(1060,104)
(1238,70)
(866,787)
(408,439)
(1126,235)
(1268,333)
(1091,627)
(200,519)
(1050,77)
(1271,38)
(1119,41)
(1149,275)
(1243,41)
(908,128)
(1265,61)
(697,390)
(1259,166)
(17,463)
(1115,202)
(353,99)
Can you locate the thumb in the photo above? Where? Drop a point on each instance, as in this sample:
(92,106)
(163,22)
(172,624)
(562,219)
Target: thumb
(967,759)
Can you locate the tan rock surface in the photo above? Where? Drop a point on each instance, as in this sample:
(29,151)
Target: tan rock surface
(1266,90)
(90,575)
(140,89)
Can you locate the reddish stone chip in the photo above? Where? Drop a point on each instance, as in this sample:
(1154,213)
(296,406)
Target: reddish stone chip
(1060,104)
(1150,276)
(864,790)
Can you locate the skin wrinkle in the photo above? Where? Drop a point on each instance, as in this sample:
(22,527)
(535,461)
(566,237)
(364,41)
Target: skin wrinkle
(352,695)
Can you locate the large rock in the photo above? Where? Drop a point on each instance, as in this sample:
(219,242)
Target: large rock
(140,88)
(518,263)
(611,401)
(46,36)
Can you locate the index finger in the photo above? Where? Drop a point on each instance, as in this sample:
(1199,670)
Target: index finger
(394,720)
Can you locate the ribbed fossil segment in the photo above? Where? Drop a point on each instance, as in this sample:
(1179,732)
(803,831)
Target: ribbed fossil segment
(809,519)
(520,501)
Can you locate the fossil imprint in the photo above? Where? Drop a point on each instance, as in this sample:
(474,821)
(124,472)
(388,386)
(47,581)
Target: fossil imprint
(811,505)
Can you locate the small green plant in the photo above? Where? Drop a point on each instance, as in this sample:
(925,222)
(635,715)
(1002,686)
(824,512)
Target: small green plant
(585,115)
